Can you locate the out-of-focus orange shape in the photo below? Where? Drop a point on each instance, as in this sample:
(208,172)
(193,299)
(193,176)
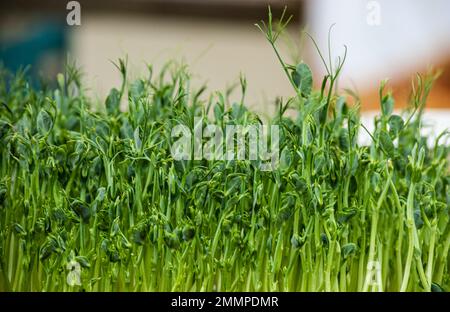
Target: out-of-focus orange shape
(439,96)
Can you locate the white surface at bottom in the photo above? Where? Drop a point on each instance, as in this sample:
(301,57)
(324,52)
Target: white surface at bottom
(435,121)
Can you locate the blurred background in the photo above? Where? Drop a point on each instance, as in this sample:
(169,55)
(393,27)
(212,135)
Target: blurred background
(217,39)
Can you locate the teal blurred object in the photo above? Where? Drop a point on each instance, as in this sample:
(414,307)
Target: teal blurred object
(41,39)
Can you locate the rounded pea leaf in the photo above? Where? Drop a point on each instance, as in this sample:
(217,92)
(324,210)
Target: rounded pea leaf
(396,124)
(348,249)
(387,144)
(302,77)
(126,131)
(297,241)
(435,287)
(188,233)
(139,236)
(113,102)
(387,105)
(285,159)
(319,164)
(237,111)
(172,241)
(44,122)
(82,211)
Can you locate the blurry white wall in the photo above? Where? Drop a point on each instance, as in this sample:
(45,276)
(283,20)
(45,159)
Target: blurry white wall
(215,51)
(385,38)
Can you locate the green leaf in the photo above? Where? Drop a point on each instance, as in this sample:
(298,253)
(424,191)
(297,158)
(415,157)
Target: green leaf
(348,249)
(218,112)
(344,140)
(188,233)
(302,77)
(418,221)
(139,236)
(387,105)
(171,240)
(324,239)
(319,164)
(44,122)
(79,148)
(137,89)
(345,216)
(102,130)
(82,211)
(318,194)
(285,214)
(47,248)
(19,230)
(83,261)
(435,287)
(137,139)
(353,163)
(297,241)
(237,111)
(387,144)
(113,102)
(126,131)
(299,183)
(375,181)
(285,159)
(396,124)
(101,192)
(233,184)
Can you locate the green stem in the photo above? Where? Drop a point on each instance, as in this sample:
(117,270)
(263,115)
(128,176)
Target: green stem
(410,225)
(374,229)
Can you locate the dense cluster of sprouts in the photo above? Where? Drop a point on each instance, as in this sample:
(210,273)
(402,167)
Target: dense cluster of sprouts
(99,191)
